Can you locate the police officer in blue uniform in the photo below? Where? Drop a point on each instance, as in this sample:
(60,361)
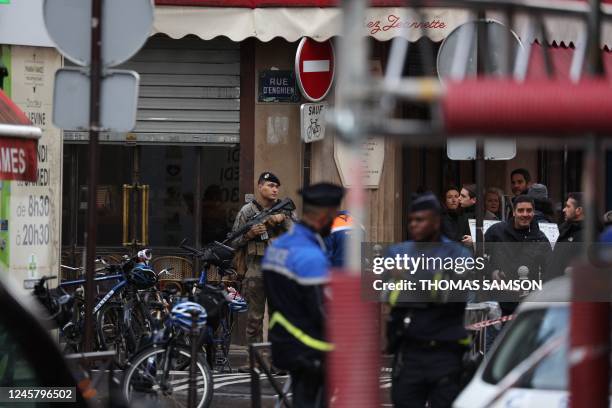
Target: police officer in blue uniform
(296,269)
(425,330)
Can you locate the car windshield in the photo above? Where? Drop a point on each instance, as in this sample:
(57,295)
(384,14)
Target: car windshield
(14,368)
(530,330)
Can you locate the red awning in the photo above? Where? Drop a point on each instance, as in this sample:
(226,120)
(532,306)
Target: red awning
(281,3)
(18,143)
(561,57)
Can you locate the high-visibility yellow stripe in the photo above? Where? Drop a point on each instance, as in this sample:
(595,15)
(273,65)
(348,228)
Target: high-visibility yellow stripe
(466,341)
(311,342)
(394,296)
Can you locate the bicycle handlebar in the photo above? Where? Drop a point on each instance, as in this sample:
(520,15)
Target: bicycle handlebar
(71,268)
(195,251)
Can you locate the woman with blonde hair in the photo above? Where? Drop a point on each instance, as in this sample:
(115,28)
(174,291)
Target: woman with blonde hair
(493,204)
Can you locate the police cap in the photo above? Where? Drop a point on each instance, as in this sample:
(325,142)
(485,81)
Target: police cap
(267,176)
(424,202)
(322,194)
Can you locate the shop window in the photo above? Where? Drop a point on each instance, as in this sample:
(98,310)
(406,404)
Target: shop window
(220,198)
(170,172)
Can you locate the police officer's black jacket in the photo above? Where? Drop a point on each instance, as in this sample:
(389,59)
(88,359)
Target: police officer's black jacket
(427,321)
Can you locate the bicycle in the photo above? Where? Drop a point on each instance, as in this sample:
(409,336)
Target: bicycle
(125,324)
(314,129)
(161,370)
(220,302)
(122,315)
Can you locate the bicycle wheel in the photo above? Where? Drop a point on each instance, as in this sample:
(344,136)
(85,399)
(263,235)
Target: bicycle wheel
(145,385)
(109,323)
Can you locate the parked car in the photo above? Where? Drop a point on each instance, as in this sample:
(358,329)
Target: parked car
(543,317)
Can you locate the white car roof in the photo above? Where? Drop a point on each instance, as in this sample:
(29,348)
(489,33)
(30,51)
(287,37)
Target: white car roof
(555,293)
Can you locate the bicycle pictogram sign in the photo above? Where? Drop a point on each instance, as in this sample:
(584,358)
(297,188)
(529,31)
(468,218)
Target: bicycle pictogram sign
(313,121)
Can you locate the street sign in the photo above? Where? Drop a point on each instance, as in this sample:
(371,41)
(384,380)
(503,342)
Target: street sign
(126,26)
(457,59)
(494,149)
(458,54)
(119,98)
(312,121)
(315,67)
(277,86)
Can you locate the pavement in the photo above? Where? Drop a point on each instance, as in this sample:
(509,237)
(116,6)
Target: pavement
(233,389)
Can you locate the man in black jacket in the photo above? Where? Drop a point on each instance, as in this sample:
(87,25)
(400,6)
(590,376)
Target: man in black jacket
(568,246)
(468,202)
(517,248)
(520,180)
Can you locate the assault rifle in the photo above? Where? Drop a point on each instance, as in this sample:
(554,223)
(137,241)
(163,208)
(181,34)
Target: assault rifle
(285,206)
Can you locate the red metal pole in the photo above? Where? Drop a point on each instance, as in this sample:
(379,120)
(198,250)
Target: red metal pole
(589,356)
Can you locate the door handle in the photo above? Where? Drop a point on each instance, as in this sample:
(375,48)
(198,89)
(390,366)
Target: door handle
(128,191)
(144,223)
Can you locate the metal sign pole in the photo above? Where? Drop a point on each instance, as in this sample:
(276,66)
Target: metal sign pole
(482,47)
(94,128)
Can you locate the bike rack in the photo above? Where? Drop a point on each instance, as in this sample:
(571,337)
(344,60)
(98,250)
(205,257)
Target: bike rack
(256,363)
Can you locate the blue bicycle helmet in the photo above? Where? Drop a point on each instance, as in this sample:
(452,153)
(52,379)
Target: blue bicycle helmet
(238,305)
(142,277)
(181,315)
(235,301)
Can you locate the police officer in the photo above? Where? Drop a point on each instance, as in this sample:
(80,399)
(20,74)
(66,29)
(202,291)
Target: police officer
(295,270)
(427,334)
(250,250)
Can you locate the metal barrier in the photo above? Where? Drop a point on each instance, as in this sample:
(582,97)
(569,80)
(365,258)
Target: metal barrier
(257,363)
(474,313)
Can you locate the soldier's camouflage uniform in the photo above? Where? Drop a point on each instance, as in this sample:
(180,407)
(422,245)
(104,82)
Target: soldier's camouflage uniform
(251,253)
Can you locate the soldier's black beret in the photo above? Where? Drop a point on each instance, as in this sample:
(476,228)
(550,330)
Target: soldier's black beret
(322,194)
(267,176)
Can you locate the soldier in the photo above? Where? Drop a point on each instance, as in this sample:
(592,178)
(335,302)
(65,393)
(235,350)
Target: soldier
(296,269)
(251,247)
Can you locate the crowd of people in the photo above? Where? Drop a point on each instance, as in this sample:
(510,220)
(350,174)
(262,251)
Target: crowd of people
(520,215)
(287,262)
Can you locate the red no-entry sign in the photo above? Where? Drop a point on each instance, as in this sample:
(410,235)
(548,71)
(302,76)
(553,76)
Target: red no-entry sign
(314,68)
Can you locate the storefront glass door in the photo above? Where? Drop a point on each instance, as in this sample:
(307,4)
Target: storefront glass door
(171,176)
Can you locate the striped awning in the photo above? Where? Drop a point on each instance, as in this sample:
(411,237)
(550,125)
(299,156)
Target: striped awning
(18,143)
(322,19)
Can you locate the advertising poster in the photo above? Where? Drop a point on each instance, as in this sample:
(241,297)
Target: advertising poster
(33,209)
